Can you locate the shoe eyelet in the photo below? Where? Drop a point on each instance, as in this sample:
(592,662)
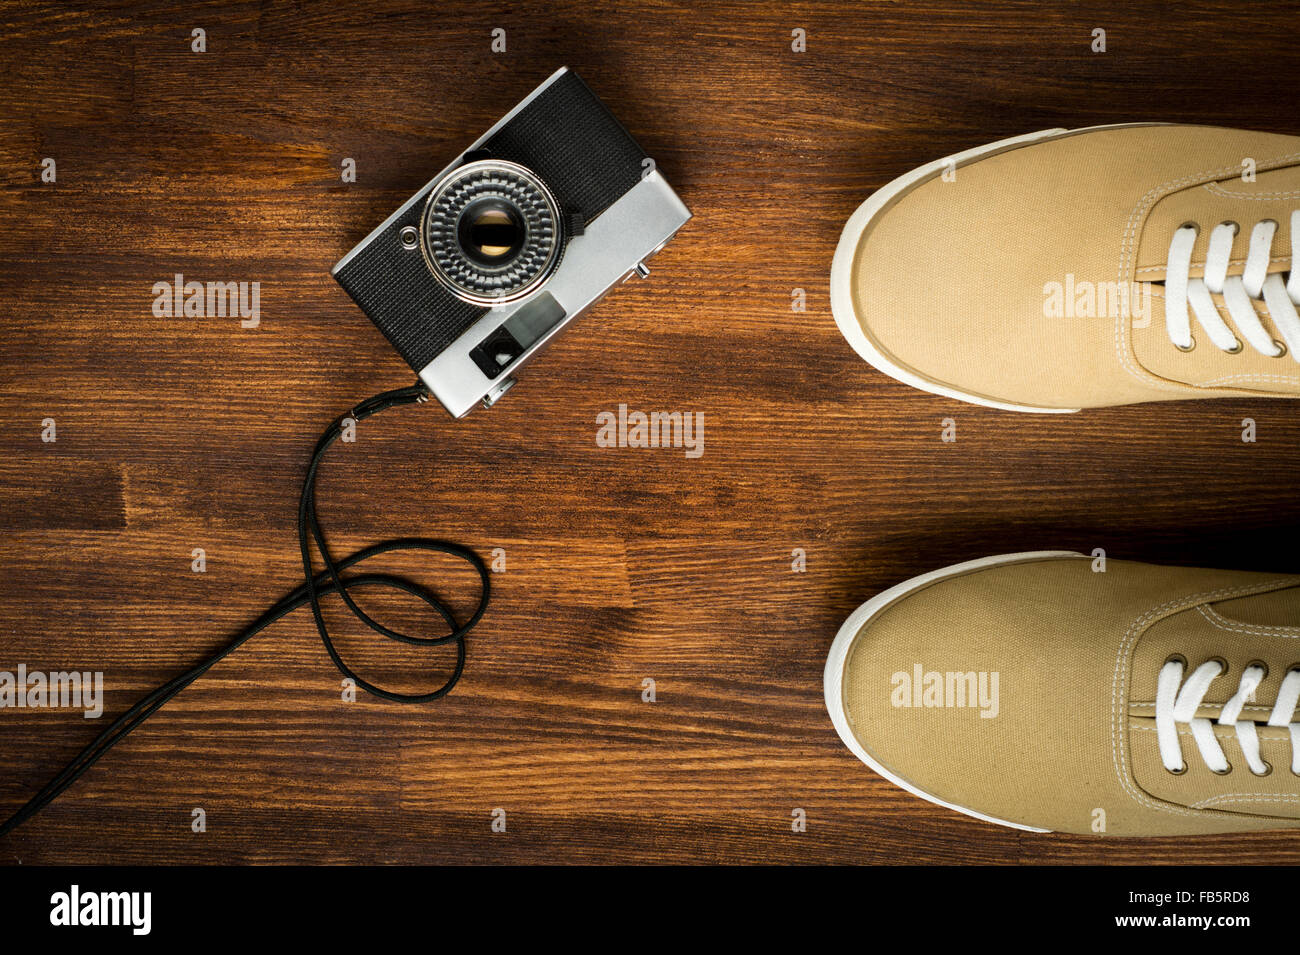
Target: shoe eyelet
(1189,225)
(1223,665)
(1236,349)
(1268,771)
(1177,772)
(1281,349)
(1262,665)
(1222,772)
(1178,657)
(1188,347)
(1236,226)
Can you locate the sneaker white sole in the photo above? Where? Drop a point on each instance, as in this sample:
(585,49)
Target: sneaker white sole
(833,677)
(842,266)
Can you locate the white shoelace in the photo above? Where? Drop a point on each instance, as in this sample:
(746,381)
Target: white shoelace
(1239,292)
(1174,706)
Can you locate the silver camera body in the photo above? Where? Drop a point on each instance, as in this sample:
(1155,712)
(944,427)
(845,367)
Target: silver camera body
(523,232)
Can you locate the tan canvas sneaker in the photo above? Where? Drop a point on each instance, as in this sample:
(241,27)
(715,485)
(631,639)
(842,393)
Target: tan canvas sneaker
(1070,269)
(1051,691)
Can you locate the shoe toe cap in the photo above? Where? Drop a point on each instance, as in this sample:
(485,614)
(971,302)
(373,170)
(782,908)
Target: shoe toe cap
(946,286)
(961,691)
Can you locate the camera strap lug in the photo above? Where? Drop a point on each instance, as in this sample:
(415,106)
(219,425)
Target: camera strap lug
(493,396)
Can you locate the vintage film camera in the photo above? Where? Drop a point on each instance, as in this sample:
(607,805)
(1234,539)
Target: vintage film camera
(546,212)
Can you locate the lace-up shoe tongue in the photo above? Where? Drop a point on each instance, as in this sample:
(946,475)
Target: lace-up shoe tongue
(1205,686)
(1273,194)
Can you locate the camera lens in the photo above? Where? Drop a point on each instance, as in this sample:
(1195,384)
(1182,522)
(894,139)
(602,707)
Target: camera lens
(491,232)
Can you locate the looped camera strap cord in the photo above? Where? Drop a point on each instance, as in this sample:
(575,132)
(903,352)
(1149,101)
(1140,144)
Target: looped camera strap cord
(314,586)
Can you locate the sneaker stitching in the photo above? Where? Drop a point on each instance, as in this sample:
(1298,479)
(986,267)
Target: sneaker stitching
(1225,379)
(1243,377)
(1119,755)
(1241,261)
(1245,797)
(1152,729)
(1258,196)
(1128,246)
(1151,706)
(1258,630)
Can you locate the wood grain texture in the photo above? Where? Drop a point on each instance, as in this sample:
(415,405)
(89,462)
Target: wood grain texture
(622,564)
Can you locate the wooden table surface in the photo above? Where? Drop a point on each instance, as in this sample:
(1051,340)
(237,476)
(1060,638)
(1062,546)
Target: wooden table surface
(622,565)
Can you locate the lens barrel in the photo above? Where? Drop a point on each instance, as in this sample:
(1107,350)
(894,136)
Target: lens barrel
(492,232)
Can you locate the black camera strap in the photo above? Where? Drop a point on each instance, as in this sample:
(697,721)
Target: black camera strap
(314,586)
